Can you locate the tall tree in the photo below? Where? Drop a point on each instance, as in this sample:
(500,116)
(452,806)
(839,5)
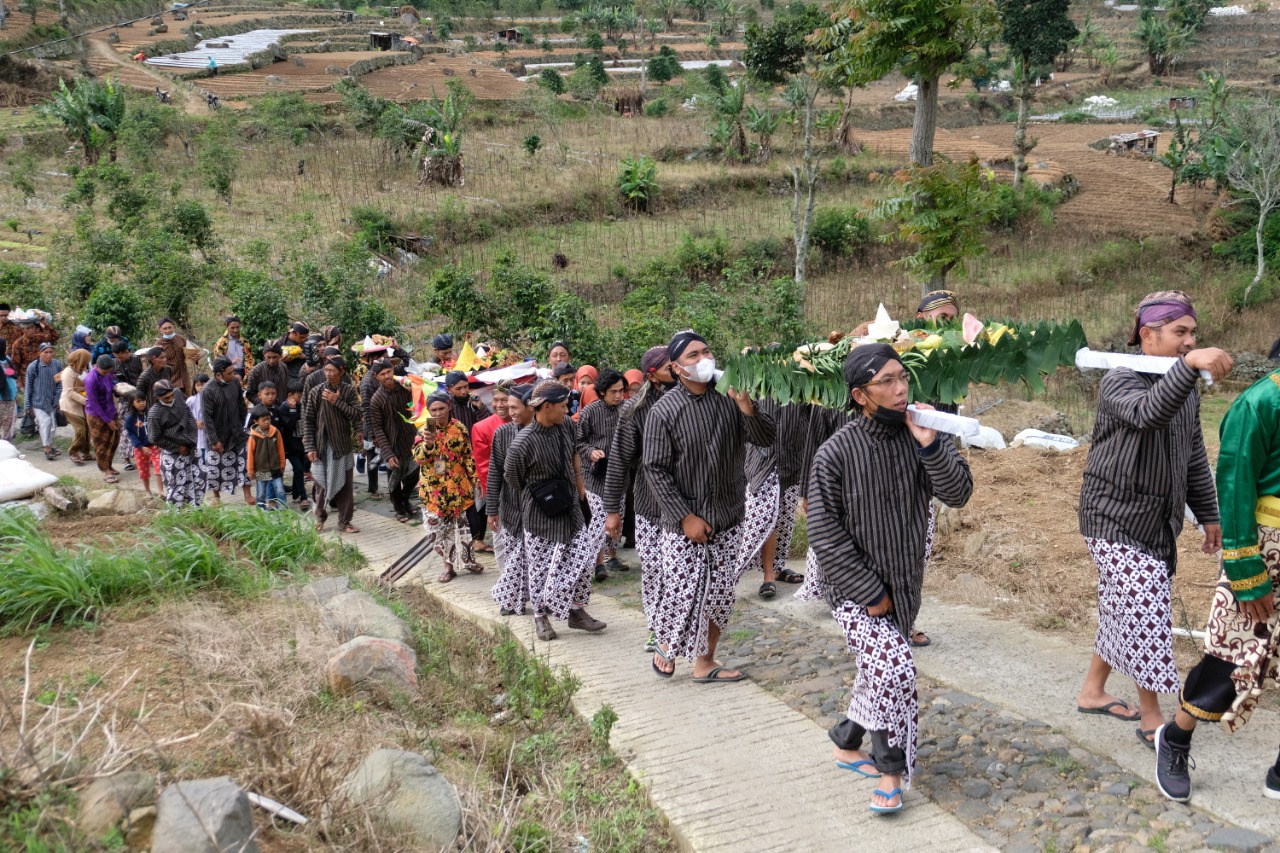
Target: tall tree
(783,52)
(1035,31)
(924,38)
(1254,169)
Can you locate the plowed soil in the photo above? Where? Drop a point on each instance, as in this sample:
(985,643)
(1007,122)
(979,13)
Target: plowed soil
(427,78)
(286,76)
(1117,194)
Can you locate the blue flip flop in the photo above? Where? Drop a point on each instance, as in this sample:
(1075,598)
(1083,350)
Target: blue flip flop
(856,767)
(888,795)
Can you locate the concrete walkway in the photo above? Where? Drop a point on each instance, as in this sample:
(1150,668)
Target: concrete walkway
(730,765)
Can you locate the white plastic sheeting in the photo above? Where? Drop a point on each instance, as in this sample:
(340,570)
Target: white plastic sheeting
(237,51)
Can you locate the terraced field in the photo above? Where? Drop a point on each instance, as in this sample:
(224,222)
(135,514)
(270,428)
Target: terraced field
(1117,195)
(428,77)
(311,76)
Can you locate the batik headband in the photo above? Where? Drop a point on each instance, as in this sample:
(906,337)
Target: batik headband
(548,391)
(1160,308)
(936,299)
(864,362)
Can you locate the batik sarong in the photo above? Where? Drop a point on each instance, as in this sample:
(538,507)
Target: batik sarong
(759,517)
(1255,650)
(649,549)
(698,584)
(449,536)
(104,440)
(225,472)
(512,589)
(1135,615)
(183,478)
(560,574)
(595,527)
(884,692)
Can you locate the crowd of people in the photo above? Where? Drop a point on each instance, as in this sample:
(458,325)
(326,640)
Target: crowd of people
(565,464)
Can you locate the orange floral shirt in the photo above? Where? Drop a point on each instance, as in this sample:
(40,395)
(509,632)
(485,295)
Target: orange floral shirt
(447,483)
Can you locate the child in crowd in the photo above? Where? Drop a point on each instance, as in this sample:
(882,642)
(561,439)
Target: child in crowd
(195,406)
(265,458)
(146,456)
(290,414)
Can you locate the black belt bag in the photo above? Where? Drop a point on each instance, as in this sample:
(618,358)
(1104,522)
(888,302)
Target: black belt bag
(554,496)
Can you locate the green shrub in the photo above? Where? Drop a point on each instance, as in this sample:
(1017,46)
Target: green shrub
(191,220)
(114,304)
(840,230)
(550,79)
(1075,117)
(21,286)
(656,109)
(259,302)
(373,228)
(593,41)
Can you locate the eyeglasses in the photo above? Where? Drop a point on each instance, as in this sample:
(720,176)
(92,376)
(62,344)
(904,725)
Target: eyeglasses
(902,379)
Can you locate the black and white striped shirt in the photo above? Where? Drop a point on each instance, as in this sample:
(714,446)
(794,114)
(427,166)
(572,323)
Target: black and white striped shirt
(694,449)
(624,456)
(327,425)
(801,429)
(1147,460)
(869,493)
(542,453)
(500,501)
(596,424)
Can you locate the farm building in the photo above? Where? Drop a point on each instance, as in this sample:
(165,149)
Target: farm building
(1141,142)
(383,41)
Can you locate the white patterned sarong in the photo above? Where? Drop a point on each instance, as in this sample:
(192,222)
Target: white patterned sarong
(560,574)
(1135,615)
(698,589)
(183,478)
(512,588)
(884,697)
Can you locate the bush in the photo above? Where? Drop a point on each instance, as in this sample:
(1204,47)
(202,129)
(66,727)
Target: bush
(656,109)
(191,220)
(550,79)
(20,286)
(374,228)
(116,304)
(593,42)
(582,84)
(840,230)
(259,303)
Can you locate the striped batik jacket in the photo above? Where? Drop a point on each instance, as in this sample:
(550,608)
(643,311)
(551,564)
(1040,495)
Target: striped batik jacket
(596,423)
(330,425)
(694,452)
(625,453)
(1147,461)
(541,453)
(499,500)
(800,431)
(869,493)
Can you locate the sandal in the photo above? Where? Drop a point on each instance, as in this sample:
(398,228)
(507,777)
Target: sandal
(475,568)
(919,639)
(1147,736)
(768,589)
(480,547)
(351,528)
(888,795)
(403,519)
(447,575)
(788,576)
(304,506)
(111,478)
(657,650)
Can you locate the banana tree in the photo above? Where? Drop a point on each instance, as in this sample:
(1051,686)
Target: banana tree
(730,106)
(763,123)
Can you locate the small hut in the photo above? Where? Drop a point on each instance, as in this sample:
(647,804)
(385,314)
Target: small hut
(1140,143)
(383,41)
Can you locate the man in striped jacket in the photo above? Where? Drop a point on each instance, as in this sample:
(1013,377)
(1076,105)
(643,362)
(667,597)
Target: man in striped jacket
(870,488)
(1147,461)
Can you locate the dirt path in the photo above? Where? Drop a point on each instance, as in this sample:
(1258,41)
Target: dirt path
(104,59)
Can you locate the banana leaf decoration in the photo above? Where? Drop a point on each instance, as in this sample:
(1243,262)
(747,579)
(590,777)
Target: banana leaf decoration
(941,372)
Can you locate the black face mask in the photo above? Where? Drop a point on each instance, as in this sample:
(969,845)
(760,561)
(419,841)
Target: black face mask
(889,417)
(667,386)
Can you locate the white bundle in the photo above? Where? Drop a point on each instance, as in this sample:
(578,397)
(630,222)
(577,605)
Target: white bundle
(944,421)
(1228,11)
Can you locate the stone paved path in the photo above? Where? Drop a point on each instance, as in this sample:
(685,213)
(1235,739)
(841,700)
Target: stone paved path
(1004,760)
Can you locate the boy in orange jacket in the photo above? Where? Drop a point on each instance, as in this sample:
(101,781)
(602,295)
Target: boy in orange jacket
(265,459)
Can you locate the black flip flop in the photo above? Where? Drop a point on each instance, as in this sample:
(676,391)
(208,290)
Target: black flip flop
(1105,711)
(768,589)
(1147,736)
(660,653)
(788,576)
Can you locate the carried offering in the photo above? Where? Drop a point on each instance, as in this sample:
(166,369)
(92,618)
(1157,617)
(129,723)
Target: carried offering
(1087,359)
(943,359)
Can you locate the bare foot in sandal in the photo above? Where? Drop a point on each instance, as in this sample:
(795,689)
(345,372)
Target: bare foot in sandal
(447,575)
(351,528)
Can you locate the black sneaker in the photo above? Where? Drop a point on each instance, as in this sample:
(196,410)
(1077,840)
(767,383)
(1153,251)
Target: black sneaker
(1173,768)
(601,574)
(613,564)
(1272,789)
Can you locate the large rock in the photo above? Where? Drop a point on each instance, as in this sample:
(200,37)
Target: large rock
(356,613)
(109,800)
(324,590)
(408,795)
(383,666)
(204,816)
(116,502)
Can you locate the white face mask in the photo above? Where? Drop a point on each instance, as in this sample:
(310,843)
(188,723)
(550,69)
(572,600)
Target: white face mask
(702,371)
(169,336)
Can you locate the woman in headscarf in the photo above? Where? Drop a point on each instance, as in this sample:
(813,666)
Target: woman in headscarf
(72,403)
(447,485)
(584,381)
